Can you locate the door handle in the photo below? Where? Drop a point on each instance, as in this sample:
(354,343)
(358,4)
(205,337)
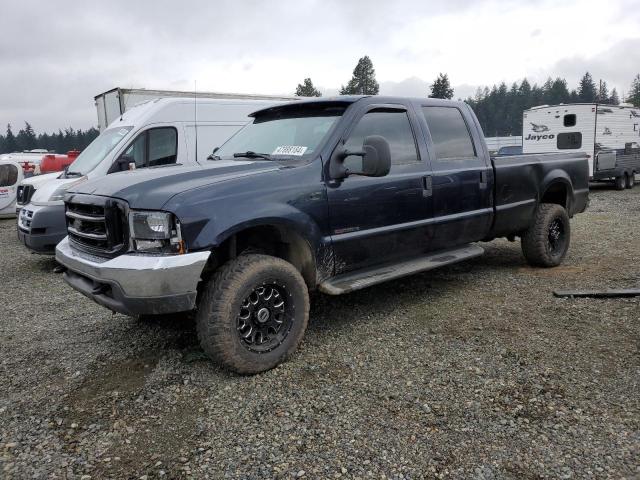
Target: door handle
(483,179)
(427,186)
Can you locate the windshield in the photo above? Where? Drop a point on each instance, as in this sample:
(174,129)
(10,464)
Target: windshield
(98,150)
(287,132)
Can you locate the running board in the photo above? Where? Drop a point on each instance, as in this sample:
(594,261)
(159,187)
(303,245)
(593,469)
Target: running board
(348,282)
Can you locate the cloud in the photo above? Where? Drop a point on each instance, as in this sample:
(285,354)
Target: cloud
(64,53)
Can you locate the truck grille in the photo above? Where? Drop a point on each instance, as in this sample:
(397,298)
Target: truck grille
(97,225)
(24,194)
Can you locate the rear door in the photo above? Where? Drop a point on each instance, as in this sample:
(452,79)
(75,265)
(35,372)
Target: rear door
(375,220)
(462,177)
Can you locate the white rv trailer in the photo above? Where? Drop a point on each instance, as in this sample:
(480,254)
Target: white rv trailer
(113,103)
(609,134)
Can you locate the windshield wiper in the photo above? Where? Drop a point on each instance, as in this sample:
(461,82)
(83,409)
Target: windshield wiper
(72,174)
(250,154)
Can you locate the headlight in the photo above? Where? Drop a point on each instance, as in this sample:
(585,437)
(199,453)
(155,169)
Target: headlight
(155,232)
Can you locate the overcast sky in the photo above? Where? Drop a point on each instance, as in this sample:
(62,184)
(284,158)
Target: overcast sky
(56,56)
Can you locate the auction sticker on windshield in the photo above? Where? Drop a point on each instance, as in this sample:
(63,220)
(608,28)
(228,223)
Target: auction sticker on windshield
(289,150)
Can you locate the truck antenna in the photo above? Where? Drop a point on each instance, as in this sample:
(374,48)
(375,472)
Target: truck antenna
(195,115)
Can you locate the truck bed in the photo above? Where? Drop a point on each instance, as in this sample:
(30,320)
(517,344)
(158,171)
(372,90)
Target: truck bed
(521,181)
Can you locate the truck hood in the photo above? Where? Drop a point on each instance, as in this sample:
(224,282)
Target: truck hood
(151,188)
(38,180)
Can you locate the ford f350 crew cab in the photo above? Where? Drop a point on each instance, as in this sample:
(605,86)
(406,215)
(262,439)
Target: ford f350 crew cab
(330,194)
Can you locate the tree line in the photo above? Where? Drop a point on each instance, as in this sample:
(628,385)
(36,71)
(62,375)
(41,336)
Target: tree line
(60,142)
(499,108)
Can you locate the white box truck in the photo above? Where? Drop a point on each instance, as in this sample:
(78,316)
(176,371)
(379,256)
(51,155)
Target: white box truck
(113,103)
(609,134)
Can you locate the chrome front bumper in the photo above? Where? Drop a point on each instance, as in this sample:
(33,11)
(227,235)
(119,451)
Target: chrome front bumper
(135,284)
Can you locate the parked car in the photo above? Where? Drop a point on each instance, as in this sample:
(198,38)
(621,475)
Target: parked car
(10,175)
(609,134)
(331,194)
(157,133)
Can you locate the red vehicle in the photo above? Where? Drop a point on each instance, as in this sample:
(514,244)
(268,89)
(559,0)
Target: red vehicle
(52,162)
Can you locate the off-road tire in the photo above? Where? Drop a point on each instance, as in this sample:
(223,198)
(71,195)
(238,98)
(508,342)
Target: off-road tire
(631,180)
(537,246)
(221,302)
(620,182)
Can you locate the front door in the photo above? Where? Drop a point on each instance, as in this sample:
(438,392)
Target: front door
(375,220)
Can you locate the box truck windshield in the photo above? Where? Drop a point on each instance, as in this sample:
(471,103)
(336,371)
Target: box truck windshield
(91,156)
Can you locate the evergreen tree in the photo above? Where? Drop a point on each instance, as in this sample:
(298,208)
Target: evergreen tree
(587,90)
(26,138)
(363,81)
(614,99)
(306,89)
(603,92)
(441,88)
(634,94)
(10,144)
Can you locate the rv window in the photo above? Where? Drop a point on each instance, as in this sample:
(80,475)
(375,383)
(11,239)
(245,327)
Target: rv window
(569,141)
(449,132)
(8,175)
(570,120)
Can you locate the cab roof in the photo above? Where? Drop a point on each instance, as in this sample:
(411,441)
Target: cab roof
(350,99)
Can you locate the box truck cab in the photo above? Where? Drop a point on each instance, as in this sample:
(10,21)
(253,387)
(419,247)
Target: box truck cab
(154,134)
(609,134)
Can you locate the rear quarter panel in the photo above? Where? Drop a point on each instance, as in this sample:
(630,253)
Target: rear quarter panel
(522,180)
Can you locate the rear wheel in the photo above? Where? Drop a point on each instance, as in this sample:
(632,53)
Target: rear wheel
(253,313)
(631,180)
(546,242)
(620,182)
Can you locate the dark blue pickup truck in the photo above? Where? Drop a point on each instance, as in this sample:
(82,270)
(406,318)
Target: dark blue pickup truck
(331,194)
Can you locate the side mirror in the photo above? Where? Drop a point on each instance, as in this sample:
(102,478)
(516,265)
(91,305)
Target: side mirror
(376,159)
(122,164)
(213,156)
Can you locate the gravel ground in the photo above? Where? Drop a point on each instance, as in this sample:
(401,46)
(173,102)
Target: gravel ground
(471,371)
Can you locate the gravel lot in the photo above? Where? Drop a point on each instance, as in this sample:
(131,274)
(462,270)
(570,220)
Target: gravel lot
(472,371)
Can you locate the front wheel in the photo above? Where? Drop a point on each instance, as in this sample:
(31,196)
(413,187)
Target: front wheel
(546,242)
(253,313)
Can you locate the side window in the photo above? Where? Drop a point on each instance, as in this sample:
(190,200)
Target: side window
(569,120)
(394,126)
(569,141)
(137,151)
(449,132)
(154,147)
(163,146)
(8,175)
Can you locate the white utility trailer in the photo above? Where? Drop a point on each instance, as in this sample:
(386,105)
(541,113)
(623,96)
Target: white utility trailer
(609,134)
